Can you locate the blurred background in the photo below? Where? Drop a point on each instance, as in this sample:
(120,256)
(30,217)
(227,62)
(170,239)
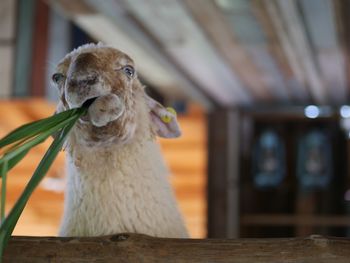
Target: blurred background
(262,91)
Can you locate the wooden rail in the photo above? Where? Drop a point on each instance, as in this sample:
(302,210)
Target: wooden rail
(290,220)
(141,248)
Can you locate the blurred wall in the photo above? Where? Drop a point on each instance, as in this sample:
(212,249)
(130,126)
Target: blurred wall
(7,45)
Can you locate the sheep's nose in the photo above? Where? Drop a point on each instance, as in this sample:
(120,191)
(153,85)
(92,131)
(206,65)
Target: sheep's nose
(82,81)
(84,61)
(82,71)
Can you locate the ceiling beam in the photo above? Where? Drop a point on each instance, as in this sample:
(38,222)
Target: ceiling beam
(248,33)
(59,44)
(297,90)
(320,22)
(342,21)
(181,38)
(153,67)
(286,13)
(220,33)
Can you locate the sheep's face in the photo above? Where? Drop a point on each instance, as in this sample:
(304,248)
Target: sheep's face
(94,73)
(108,75)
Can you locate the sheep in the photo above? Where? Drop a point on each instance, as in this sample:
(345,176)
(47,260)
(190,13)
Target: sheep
(117,180)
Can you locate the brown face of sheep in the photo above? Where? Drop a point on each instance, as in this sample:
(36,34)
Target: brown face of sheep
(108,75)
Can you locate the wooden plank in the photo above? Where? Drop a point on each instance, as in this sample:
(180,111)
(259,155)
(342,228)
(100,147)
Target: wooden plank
(7,46)
(333,67)
(223,174)
(76,6)
(251,35)
(188,180)
(40,39)
(294,27)
(294,220)
(182,39)
(288,49)
(264,60)
(35,108)
(141,248)
(219,32)
(59,44)
(23,62)
(298,92)
(6,71)
(305,206)
(7,20)
(320,22)
(13,120)
(291,34)
(342,10)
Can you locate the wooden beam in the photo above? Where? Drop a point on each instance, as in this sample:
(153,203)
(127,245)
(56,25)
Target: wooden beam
(264,60)
(7,20)
(183,40)
(150,63)
(288,49)
(320,22)
(223,173)
(23,59)
(298,91)
(6,70)
(251,35)
(141,248)
(7,46)
(305,206)
(219,32)
(73,7)
(40,41)
(342,11)
(59,44)
(293,23)
(295,220)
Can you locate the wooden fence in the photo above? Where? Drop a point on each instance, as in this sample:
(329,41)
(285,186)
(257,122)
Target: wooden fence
(141,248)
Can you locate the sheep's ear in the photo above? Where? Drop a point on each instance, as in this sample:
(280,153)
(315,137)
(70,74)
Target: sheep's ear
(163,119)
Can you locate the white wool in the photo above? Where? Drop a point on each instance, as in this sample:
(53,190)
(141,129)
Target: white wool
(84,48)
(125,190)
(120,188)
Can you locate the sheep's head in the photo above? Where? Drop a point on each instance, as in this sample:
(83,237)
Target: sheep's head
(108,75)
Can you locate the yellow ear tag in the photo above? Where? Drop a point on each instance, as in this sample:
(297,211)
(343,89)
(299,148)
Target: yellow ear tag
(167,118)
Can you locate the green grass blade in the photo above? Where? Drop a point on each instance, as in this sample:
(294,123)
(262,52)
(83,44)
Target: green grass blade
(36,140)
(28,136)
(34,128)
(20,153)
(10,222)
(13,161)
(16,159)
(4,169)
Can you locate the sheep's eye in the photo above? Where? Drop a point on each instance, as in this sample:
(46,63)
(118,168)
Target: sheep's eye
(57,77)
(129,71)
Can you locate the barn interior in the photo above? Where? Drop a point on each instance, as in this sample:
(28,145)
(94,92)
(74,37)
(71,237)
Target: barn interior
(261,88)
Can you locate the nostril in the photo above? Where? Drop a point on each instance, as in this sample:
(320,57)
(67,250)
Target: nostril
(91,81)
(82,82)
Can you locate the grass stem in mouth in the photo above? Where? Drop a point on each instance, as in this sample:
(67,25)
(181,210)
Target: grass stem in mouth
(88,103)
(17,144)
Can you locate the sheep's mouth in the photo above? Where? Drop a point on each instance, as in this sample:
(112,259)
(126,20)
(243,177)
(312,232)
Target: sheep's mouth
(86,104)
